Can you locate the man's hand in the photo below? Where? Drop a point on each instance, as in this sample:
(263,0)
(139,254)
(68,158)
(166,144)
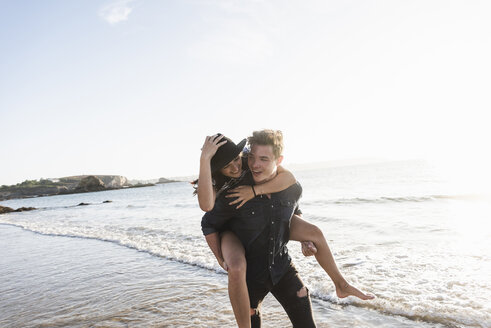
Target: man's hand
(223,264)
(213,240)
(308,248)
(243,194)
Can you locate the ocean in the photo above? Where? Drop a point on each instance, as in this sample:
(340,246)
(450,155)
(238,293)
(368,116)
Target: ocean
(396,229)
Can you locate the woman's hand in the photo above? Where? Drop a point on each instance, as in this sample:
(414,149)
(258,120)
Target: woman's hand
(243,194)
(211,145)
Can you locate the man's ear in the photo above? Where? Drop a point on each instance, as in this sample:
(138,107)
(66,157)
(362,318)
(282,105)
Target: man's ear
(279,160)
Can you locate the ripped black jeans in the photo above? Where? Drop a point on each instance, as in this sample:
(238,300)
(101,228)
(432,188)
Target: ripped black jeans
(299,309)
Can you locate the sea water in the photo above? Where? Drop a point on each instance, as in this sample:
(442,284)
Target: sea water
(396,230)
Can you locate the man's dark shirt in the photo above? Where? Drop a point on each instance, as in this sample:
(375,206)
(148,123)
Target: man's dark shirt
(262,225)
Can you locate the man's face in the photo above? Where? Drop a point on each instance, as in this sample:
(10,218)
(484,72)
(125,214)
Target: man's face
(262,163)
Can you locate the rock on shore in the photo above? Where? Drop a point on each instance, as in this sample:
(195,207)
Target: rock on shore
(5,209)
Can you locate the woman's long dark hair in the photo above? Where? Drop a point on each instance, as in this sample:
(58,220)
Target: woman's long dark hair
(219,180)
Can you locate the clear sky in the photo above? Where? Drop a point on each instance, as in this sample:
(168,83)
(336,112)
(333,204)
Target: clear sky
(133,87)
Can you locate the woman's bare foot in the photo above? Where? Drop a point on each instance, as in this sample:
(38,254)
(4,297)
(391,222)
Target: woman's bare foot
(346,290)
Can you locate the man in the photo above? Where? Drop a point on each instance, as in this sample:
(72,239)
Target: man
(263,226)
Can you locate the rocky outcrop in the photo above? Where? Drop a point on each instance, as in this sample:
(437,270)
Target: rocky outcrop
(113,181)
(90,183)
(164,180)
(21,192)
(110,181)
(5,209)
(69,185)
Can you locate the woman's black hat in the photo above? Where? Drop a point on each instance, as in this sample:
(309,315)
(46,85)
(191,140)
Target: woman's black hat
(226,153)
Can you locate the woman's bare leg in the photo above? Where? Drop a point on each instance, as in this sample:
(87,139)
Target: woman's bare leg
(234,256)
(301,230)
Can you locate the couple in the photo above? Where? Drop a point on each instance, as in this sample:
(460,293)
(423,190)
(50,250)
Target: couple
(252,213)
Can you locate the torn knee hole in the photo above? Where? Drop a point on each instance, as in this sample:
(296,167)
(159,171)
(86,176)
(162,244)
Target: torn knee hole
(253,312)
(302,292)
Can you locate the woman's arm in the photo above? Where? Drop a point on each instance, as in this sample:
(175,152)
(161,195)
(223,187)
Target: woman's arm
(283,180)
(206,191)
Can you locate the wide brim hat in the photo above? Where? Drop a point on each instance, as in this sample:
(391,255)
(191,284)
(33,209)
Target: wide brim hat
(226,153)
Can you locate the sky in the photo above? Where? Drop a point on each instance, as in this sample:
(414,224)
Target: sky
(132,87)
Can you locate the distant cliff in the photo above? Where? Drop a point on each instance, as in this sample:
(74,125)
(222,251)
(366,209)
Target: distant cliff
(73,184)
(65,185)
(109,181)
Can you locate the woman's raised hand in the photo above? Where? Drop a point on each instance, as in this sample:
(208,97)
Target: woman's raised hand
(243,194)
(211,145)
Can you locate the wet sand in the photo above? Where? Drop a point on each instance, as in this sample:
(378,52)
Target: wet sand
(53,281)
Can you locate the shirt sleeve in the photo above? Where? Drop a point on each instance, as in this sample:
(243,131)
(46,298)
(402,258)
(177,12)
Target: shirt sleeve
(215,219)
(298,211)
(299,191)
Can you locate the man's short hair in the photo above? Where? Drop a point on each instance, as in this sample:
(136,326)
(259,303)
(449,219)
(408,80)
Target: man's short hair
(272,138)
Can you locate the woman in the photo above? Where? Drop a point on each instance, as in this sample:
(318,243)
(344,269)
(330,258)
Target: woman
(221,166)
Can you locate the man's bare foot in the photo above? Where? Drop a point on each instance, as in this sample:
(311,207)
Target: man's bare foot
(346,290)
